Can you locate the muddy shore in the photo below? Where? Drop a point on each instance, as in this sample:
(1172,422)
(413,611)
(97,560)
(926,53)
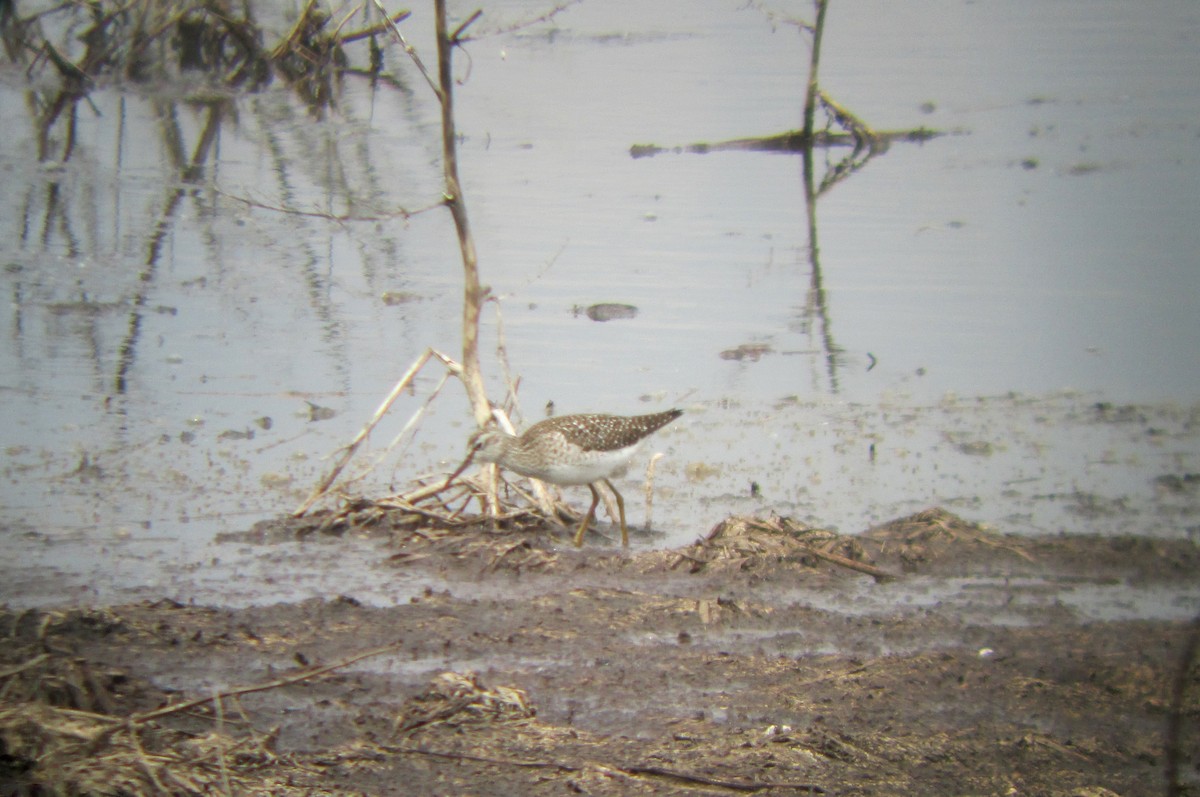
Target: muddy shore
(980,664)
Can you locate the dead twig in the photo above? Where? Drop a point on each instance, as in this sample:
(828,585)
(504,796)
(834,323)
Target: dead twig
(381,27)
(474,293)
(352,447)
(779,525)
(144,761)
(20,668)
(409,50)
(863,135)
(511,762)
(735,785)
(833,676)
(416,416)
(659,772)
(220,711)
(810,99)
(437,517)
(305,675)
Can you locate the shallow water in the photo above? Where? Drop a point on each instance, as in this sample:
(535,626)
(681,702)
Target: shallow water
(979,295)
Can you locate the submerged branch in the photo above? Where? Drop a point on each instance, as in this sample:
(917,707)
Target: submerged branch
(791,141)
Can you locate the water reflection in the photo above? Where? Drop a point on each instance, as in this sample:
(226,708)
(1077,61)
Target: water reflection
(183,260)
(147,314)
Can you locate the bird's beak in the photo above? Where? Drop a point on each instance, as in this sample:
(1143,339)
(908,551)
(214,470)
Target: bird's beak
(466,463)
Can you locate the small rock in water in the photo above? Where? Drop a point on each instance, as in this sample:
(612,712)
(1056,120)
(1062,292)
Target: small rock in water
(609,311)
(318,413)
(746,351)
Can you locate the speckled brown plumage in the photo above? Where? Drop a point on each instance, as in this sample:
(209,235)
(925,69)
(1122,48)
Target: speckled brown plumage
(573,449)
(601,432)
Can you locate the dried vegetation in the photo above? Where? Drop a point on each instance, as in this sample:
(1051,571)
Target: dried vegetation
(152,41)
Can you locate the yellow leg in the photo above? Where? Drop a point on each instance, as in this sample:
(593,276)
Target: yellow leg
(621,507)
(590,514)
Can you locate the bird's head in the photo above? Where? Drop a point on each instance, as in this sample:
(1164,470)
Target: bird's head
(486,445)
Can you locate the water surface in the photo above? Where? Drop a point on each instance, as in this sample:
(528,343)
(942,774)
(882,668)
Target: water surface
(992,303)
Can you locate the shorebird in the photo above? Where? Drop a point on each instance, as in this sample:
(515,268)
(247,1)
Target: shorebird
(571,450)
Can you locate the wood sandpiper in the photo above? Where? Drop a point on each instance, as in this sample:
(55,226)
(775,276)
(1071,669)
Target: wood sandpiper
(570,450)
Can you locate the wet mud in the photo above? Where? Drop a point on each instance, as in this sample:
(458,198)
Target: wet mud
(929,656)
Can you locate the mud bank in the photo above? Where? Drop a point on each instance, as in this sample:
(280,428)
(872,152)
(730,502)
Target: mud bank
(979,664)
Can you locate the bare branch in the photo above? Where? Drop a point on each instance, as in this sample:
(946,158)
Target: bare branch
(350,449)
(409,49)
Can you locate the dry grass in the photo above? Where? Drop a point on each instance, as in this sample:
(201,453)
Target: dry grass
(153,39)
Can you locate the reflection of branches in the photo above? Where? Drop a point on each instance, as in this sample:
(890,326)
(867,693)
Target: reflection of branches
(340,218)
(66,99)
(815,303)
(56,210)
(842,129)
(525,23)
(189,171)
(850,129)
(127,352)
(171,134)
